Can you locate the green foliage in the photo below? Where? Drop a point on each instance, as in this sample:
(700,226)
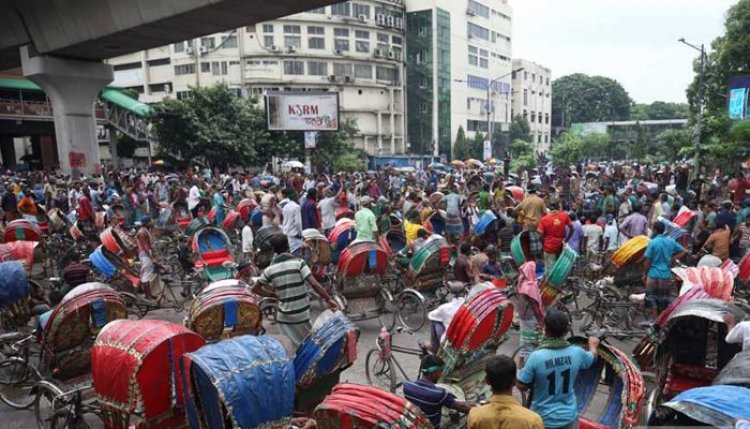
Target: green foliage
(519,148)
(126,146)
(465,148)
(659,110)
(212,124)
(520,129)
(572,148)
(522,155)
(524,162)
(583,98)
(336,148)
(671,144)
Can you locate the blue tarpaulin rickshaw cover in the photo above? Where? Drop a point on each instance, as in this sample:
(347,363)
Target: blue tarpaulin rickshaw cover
(715,405)
(14,283)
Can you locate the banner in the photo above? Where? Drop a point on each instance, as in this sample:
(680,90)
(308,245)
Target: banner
(302,111)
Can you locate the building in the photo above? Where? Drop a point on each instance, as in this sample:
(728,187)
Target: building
(532,99)
(355,48)
(458,56)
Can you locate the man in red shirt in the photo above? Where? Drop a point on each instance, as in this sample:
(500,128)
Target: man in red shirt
(553,227)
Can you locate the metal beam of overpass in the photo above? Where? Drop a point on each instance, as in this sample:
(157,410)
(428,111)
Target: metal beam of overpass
(100,29)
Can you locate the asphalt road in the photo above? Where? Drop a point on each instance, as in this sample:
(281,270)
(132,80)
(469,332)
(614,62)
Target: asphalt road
(369,330)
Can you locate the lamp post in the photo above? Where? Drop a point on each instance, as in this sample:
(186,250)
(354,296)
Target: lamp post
(701,97)
(487,106)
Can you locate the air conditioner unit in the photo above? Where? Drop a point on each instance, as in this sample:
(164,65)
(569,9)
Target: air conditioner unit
(348,79)
(380,19)
(391,55)
(470,12)
(189,50)
(275,48)
(378,53)
(332,78)
(203,50)
(291,49)
(400,23)
(391,21)
(338,52)
(362,18)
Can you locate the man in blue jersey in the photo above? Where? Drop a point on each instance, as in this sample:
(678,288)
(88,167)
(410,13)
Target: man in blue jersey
(551,371)
(431,398)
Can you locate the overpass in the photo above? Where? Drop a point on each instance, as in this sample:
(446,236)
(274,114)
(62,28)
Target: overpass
(61,44)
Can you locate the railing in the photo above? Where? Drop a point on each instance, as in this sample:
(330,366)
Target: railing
(39,109)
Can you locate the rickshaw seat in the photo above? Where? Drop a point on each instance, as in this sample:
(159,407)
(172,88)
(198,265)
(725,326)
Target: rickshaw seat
(215,258)
(584,423)
(682,377)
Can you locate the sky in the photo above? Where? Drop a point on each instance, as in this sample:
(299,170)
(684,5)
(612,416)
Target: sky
(633,42)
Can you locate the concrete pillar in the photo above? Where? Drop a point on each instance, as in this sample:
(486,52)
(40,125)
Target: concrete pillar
(72,85)
(112,133)
(8,151)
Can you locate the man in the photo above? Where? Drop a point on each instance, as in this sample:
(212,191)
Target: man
(611,238)
(462,269)
(268,206)
(247,240)
(555,232)
(365,222)
(429,397)
(144,242)
(738,333)
(552,371)
(634,224)
(661,253)
(162,190)
(291,222)
(288,278)
(502,411)
(74,195)
(327,207)
(531,210)
(194,199)
(719,241)
(310,213)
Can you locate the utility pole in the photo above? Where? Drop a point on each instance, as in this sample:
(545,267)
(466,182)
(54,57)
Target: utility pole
(488,102)
(701,102)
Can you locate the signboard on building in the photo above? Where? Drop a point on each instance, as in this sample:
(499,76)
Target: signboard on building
(302,111)
(739,98)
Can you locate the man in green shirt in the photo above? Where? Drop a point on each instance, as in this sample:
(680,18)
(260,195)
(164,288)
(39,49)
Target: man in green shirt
(364,219)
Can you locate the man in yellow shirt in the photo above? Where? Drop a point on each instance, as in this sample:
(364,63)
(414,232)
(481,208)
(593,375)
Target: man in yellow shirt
(531,210)
(503,410)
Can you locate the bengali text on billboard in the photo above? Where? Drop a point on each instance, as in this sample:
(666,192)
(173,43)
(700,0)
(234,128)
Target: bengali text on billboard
(302,111)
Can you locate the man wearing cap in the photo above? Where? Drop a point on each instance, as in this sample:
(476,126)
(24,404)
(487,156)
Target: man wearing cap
(429,397)
(365,222)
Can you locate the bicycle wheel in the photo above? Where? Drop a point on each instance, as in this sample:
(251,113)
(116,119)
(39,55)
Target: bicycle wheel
(17,379)
(588,320)
(411,311)
(380,372)
(46,399)
(66,419)
(134,305)
(386,317)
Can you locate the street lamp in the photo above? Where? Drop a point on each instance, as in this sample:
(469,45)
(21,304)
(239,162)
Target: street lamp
(487,106)
(701,97)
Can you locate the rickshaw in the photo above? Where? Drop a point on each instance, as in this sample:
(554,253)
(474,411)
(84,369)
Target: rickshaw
(22,251)
(118,242)
(358,283)
(225,309)
(690,347)
(424,282)
(262,243)
(182,215)
(135,371)
(57,221)
(245,382)
(15,296)
(246,207)
(723,404)
(22,229)
(343,234)
(352,406)
(317,252)
(330,349)
(195,225)
(214,254)
(119,214)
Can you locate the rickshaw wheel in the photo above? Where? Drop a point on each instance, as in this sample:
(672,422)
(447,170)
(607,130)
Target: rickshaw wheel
(65,419)
(134,305)
(45,399)
(386,317)
(380,372)
(412,312)
(18,378)
(651,403)
(588,319)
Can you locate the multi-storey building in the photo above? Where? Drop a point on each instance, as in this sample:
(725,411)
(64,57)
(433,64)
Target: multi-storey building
(458,70)
(355,48)
(532,99)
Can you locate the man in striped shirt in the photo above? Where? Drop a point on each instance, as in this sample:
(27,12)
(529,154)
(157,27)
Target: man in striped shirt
(287,280)
(429,397)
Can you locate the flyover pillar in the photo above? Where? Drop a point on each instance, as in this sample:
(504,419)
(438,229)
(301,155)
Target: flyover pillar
(72,86)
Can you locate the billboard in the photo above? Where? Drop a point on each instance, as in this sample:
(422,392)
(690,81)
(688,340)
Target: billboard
(302,111)
(739,95)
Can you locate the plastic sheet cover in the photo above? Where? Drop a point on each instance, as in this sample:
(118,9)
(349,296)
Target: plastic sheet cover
(719,406)
(14,283)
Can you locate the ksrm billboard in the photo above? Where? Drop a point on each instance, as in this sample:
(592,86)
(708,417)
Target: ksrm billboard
(739,95)
(302,111)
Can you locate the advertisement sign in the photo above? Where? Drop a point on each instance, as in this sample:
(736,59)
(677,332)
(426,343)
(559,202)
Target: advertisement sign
(487,150)
(311,139)
(302,111)
(739,96)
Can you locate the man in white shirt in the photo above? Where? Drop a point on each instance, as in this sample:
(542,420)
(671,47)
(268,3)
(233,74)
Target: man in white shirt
(247,240)
(291,223)
(442,316)
(739,333)
(327,208)
(592,235)
(73,196)
(194,199)
(611,234)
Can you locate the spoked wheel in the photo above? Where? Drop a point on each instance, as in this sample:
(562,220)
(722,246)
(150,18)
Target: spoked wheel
(46,398)
(65,419)
(17,379)
(380,372)
(411,311)
(384,302)
(134,305)
(588,319)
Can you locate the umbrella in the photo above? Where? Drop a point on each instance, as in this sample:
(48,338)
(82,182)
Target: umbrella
(438,166)
(294,164)
(458,164)
(474,163)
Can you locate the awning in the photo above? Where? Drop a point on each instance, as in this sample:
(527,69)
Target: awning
(115,96)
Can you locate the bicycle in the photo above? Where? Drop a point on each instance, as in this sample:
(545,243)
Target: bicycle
(56,409)
(18,376)
(381,364)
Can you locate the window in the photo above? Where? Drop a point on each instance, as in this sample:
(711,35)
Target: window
(320,10)
(181,95)
(484,63)
(179,47)
(292,29)
(421,57)
(205,67)
(317,68)
(208,42)
(218,68)
(316,43)
(128,66)
(423,107)
(292,42)
(479,57)
(341,32)
(360,9)
(525,75)
(363,71)
(184,69)
(546,118)
(361,34)
(342,69)
(341,9)
(229,42)
(533,117)
(540,117)
(546,138)
(479,9)
(478,31)
(159,87)
(341,45)
(397,52)
(397,40)
(387,74)
(294,67)
(547,81)
(362,46)
(267,41)
(525,97)
(316,30)
(473,60)
(383,38)
(268,28)
(533,77)
(423,83)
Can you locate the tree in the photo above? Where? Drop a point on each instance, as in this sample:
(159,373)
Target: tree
(572,148)
(671,143)
(522,155)
(126,146)
(336,148)
(659,110)
(520,129)
(213,124)
(461,146)
(582,98)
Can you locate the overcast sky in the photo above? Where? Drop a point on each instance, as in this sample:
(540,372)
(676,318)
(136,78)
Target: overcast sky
(634,41)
